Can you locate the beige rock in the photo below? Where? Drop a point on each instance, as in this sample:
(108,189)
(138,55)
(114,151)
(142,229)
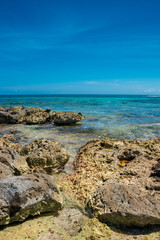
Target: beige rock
(45,156)
(67,118)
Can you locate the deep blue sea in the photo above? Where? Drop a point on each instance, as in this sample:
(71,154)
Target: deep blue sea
(118,116)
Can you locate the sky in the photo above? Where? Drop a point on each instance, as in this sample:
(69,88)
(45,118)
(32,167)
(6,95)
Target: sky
(80,47)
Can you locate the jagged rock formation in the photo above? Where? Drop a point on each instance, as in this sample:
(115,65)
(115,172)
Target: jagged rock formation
(11,163)
(126,176)
(67,118)
(131,196)
(45,156)
(14,115)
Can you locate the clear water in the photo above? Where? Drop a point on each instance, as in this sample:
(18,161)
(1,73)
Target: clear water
(118,116)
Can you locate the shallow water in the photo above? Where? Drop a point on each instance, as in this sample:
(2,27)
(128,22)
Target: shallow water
(118,116)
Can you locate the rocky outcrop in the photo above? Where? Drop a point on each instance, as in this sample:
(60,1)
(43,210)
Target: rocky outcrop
(131,196)
(42,155)
(6,117)
(25,115)
(30,116)
(11,163)
(93,164)
(28,195)
(67,118)
(97,160)
(119,181)
(39,116)
(45,156)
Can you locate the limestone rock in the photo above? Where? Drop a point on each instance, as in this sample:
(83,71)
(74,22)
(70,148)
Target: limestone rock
(67,118)
(11,162)
(5,171)
(131,196)
(45,156)
(97,160)
(20,114)
(28,195)
(6,117)
(39,116)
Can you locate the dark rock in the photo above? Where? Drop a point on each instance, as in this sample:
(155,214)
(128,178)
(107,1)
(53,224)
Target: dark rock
(156,169)
(28,195)
(67,118)
(2,109)
(6,117)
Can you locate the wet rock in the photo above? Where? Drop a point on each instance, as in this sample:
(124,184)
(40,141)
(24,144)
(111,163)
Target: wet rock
(67,118)
(45,156)
(28,195)
(11,162)
(131,196)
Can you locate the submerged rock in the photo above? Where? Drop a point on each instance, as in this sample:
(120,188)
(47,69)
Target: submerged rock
(67,118)
(45,156)
(28,195)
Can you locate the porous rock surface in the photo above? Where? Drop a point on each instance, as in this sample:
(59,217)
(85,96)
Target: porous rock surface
(127,176)
(130,197)
(20,114)
(67,118)
(11,163)
(45,156)
(28,195)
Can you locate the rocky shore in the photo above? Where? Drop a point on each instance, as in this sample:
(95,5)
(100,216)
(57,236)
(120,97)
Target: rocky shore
(15,115)
(113,192)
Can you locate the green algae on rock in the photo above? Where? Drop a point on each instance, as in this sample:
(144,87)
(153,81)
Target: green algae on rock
(28,195)
(42,155)
(45,156)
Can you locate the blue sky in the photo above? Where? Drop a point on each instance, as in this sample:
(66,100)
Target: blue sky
(80,46)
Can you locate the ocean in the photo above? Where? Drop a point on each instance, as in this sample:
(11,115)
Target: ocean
(114,116)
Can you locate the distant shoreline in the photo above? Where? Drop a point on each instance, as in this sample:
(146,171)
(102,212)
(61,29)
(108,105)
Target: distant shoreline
(80,94)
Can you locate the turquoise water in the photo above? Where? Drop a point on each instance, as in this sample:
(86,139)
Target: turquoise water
(118,116)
